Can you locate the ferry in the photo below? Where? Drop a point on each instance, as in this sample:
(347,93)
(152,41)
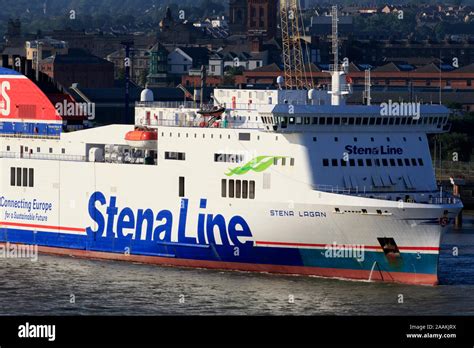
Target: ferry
(282,181)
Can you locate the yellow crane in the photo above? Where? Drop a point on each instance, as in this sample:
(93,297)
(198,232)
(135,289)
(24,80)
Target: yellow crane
(293,60)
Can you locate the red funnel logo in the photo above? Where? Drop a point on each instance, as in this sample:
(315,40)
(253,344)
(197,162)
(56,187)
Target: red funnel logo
(4,98)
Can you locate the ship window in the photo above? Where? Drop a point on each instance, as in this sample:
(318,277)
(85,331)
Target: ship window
(238,188)
(404,120)
(358,121)
(355,139)
(181,186)
(343,162)
(225,157)
(63,150)
(8,148)
(244,136)
(404,139)
(18,176)
(384,162)
(292,120)
(50,150)
(352,162)
(252,189)
(299,120)
(407,162)
(181,156)
(315,139)
(385,121)
(372,139)
(306,120)
(392,162)
(351,121)
(38,149)
(419,138)
(322,120)
(25,177)
(336,139)
(283,161)
(275,161)
(334,162)
(245,189)
(12,176)
(420,161)
(365,121)
(31,179)
(325,162)
(329,121)
(400,162)
(388,139)
(413,162)
(368,162)
(223,187)
(377,162)
(315,120)
(391,121)
(292,161)
(378,121)
(337,121)
(360,162)
(231,188)
(397,121)
(372,121)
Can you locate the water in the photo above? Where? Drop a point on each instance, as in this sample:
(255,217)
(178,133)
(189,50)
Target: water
(49,285)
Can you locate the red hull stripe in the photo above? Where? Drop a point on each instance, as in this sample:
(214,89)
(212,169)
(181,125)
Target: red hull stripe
(56,228)
(374,247)
(75,229)
(397,277)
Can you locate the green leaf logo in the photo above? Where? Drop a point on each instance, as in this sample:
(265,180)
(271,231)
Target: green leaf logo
(258,164)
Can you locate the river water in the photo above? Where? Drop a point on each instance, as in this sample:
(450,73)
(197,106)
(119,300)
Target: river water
(70,286)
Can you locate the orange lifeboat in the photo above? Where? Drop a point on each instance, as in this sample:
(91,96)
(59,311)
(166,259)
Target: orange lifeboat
(142,138)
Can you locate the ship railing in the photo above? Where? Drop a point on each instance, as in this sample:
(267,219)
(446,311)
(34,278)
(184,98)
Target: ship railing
(249,106)
(42,156)
(169,104)
(202,123)
(434,197)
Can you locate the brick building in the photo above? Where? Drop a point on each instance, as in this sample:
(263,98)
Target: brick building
(79,67)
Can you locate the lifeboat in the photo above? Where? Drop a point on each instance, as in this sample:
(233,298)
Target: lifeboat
(142,138)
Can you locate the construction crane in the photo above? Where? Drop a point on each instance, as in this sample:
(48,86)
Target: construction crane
(293,60)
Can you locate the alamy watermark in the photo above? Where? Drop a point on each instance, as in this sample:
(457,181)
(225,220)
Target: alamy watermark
(74,109)
(410,109)
(349,251)
(19,251)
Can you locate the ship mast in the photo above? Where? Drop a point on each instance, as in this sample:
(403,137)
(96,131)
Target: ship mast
(339,87)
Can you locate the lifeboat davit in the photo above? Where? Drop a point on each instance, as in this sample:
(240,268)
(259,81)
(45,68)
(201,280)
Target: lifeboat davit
(142,138)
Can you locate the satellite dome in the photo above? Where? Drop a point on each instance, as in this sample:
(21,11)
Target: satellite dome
(146,95)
